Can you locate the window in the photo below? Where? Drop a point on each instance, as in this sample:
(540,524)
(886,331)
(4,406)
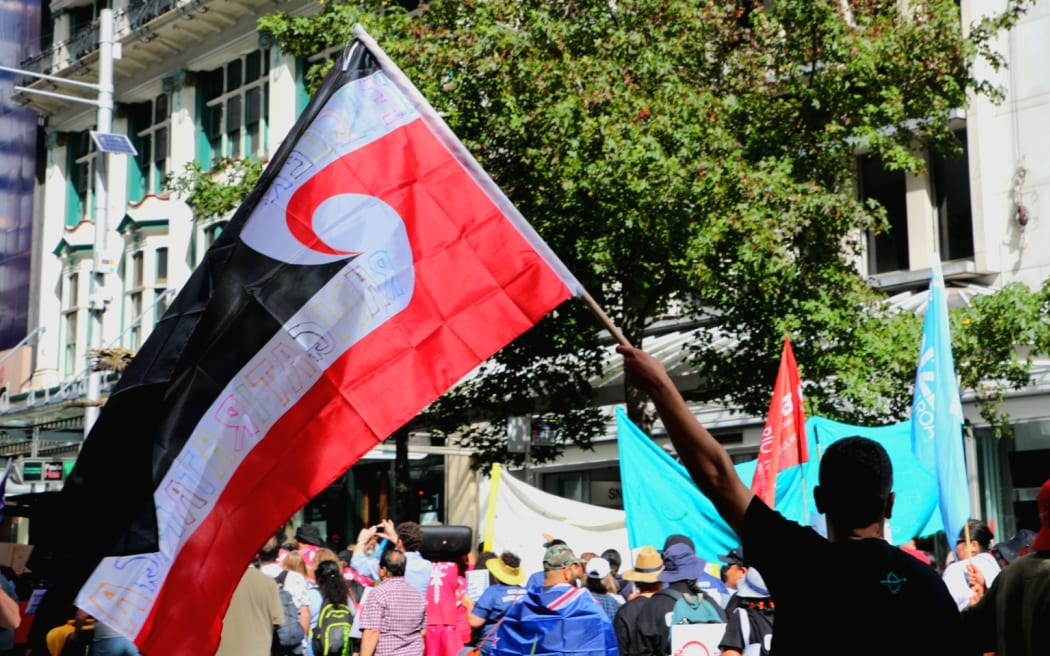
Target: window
(135,310)
(80,169)
(150,124)
(73,294)
(951,186)
(927,213)
(235,108)
(887,251)
(161,266)
(71,343)
(160,304)
(136,269)
(212,232)
(72,317)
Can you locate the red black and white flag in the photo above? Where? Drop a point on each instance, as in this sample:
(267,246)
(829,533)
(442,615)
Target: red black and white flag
(374,265)
(784,436)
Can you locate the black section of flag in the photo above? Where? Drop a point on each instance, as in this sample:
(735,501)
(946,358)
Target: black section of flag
(233,303)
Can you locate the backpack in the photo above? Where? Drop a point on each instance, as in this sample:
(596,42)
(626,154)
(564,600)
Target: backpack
(693,609)
(689,609)
(288,637)
(331,636)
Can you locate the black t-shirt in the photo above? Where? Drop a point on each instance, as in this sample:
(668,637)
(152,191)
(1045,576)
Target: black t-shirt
(625,624)
(758,613)
(855,597)
(654,632)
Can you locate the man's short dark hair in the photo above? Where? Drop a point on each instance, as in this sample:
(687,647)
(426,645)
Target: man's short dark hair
(268,552)
(856,477)
(411,535)
(394,562)
(613,556)
(978,531)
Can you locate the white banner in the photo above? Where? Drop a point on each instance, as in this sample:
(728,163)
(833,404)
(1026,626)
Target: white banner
(523,514)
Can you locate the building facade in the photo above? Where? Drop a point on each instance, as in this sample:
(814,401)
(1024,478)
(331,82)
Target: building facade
(196,82)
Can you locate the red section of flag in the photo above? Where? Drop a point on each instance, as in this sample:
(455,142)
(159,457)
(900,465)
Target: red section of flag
(784,437)
(479,284)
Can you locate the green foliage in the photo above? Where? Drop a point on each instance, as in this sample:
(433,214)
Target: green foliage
(217,192)
(994,341)
(688,157)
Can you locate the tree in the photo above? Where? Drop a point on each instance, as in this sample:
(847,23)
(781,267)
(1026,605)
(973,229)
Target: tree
(690,158)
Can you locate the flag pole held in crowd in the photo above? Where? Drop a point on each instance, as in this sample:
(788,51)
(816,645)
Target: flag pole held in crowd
(374,255)
(936,416)
(784,436)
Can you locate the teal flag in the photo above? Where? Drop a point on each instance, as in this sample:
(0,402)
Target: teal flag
(660,498)
(936,413)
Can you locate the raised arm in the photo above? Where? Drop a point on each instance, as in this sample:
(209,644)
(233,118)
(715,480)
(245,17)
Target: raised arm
(706,460)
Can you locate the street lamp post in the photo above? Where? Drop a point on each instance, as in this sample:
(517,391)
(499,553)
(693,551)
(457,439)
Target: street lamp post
(98,298)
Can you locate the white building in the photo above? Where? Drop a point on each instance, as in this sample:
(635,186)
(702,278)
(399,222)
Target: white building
(196,81)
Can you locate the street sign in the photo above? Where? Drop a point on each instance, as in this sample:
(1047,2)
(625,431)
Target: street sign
(108,142)
(45,470)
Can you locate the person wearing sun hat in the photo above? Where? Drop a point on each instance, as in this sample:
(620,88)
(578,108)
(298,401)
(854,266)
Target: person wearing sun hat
(682,569)
(505,589)
(648,565)
(1010,618)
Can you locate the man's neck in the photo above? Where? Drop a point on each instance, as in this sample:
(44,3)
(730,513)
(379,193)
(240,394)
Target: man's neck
(873,530)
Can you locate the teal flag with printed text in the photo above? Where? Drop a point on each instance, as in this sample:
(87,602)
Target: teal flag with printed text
(936,416)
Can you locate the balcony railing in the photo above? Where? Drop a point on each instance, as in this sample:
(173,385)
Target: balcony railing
(85,41)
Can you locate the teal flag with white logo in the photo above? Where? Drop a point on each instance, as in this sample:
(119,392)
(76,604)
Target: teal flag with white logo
(936,415)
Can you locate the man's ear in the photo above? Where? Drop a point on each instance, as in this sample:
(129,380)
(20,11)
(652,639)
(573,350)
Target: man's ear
(888,512)
(818,497)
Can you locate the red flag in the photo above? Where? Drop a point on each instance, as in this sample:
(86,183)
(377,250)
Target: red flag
(784,437)
(373,267)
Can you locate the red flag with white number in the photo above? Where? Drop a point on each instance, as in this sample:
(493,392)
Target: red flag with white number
(784,437)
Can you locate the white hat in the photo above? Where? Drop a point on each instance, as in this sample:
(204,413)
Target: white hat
(752,586)
(598,568)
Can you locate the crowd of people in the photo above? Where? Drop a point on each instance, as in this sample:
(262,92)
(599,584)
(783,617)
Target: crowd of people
(382,597)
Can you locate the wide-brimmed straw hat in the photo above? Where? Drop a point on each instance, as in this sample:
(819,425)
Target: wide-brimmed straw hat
(503,573)
(647,567)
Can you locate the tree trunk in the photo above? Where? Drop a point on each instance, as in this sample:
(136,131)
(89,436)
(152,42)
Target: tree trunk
(638,409)
(402,484)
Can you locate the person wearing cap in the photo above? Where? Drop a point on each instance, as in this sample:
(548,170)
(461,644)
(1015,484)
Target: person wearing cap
(602,585)
(557,618)
(505,589)
(734,570)
(1011,617)
(682,569)
(749,629)
(1010,550)
(307,541)
(646,578)
(887,601)
(624,588)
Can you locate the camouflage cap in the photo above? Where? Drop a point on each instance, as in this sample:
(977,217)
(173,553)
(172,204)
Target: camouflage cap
(558,557)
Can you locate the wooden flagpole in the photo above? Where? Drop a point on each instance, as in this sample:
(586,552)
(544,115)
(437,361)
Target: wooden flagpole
(603,318)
